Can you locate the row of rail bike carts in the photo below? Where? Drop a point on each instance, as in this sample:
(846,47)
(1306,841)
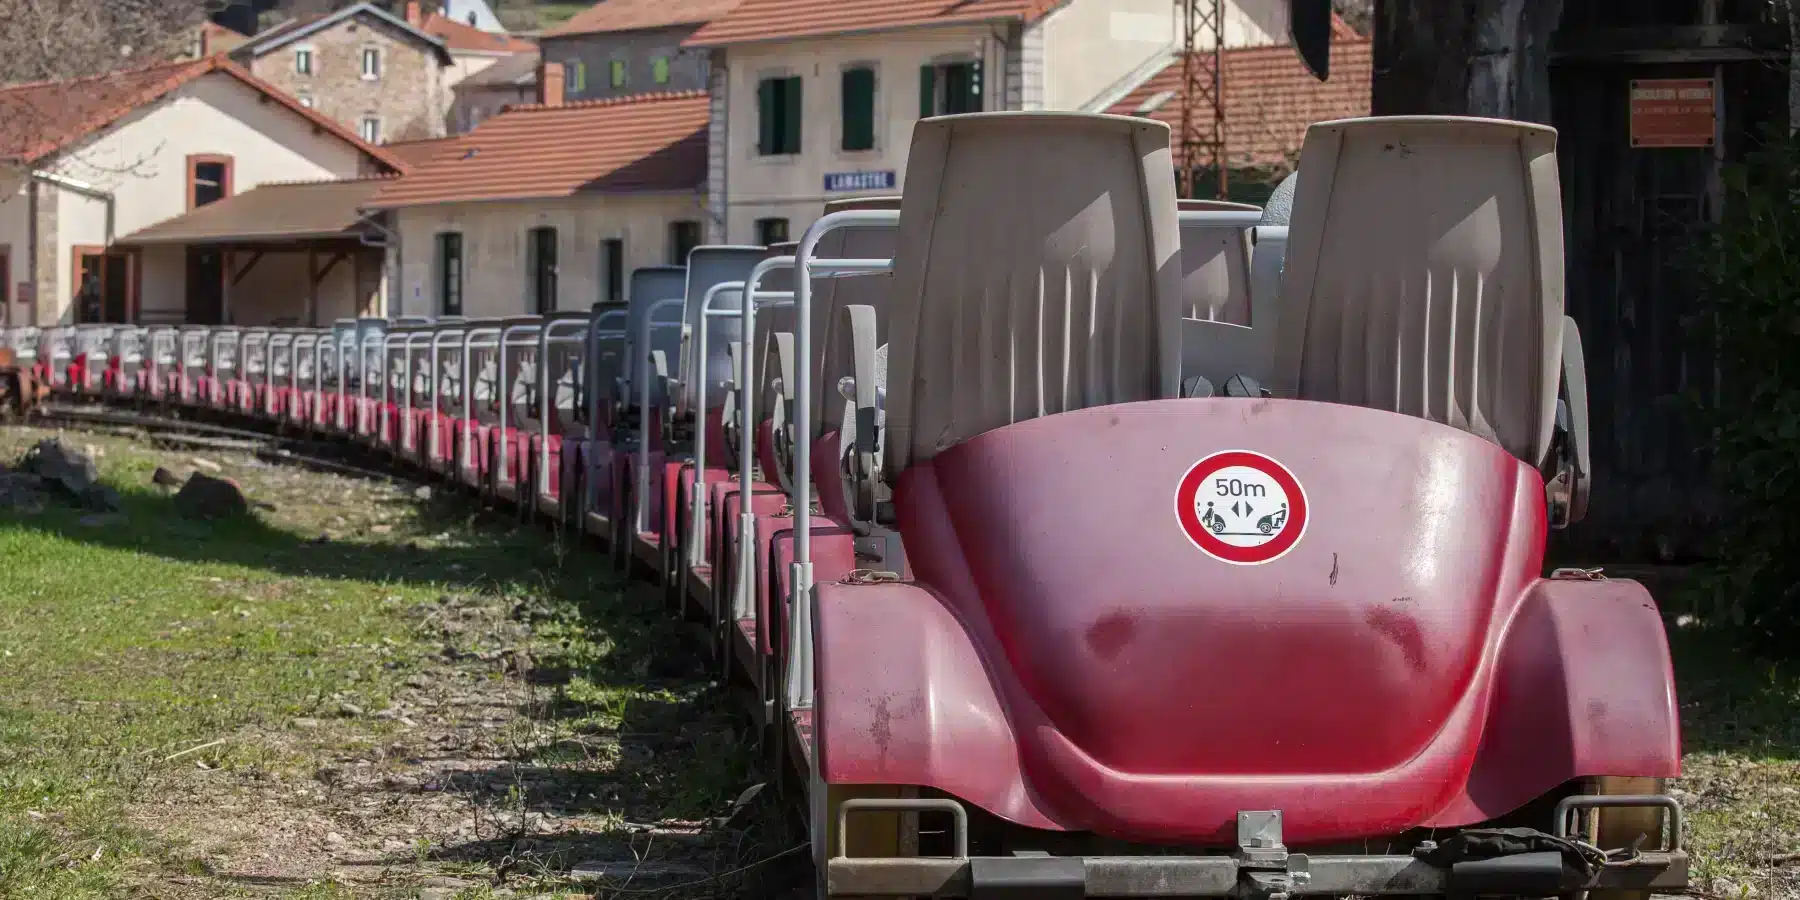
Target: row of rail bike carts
(1072,538)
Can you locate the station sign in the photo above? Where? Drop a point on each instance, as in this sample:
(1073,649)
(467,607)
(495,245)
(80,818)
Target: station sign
(1673,112)
(860,181)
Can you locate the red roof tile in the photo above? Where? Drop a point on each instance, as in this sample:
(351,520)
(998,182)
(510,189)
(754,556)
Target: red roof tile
(417,153)
(764,20)
(651,142)
(271,211)
(1270,98)
(469,39)
(638,15)
(40,118)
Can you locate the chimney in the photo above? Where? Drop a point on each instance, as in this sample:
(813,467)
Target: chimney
(414,16)
(550,83)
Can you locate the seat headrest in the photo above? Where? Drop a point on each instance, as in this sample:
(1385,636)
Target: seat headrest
(1029,283)
(1424,274)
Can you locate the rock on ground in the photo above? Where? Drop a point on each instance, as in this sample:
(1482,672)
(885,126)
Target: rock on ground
(206,497)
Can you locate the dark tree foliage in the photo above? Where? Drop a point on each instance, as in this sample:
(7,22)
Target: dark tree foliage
(1753,303)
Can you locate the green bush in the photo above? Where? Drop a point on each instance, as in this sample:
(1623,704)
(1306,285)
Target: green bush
(1751,268)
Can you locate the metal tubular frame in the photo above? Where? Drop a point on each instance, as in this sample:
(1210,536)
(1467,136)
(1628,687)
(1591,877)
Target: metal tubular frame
(546,400)
(697,517)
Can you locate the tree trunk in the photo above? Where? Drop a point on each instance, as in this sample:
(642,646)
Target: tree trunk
(1464,58)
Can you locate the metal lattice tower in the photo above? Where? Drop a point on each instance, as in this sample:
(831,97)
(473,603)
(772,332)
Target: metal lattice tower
(1202,136)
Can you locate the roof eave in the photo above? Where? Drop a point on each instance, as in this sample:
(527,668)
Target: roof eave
(280,37)
(247,237)
(587,32)
(517,198)
(849,32)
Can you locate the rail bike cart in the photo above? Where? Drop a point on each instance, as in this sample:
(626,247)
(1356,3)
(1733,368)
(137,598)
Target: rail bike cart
(598,464)
(1082,689)
(653,354)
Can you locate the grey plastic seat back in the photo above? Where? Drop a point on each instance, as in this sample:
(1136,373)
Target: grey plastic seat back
(648,285)
(708,266)
(831,339)
(1215,265)
(1425,274)
(772,318)
(1029,283)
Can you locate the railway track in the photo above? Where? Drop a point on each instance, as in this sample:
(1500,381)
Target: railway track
(274,444)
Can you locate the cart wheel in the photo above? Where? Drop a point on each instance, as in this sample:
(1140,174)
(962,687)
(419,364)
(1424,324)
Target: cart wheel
(1218,526)
(1265,527)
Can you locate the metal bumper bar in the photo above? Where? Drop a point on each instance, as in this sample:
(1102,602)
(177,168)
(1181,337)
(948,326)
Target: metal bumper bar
(1191,876)
(1262,868)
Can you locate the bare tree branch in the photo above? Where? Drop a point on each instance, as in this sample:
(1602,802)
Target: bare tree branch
(1359,14)
(53,40)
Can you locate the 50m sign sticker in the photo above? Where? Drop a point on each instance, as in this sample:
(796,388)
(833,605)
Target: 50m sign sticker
(1241,507)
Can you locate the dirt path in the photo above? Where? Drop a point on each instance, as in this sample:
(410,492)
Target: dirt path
(364,690)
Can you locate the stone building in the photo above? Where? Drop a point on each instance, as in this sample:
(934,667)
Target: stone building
(617,48)
(510,81)
(361,66)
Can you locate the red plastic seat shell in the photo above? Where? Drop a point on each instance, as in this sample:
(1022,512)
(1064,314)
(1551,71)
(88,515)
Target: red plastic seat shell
(1067,659)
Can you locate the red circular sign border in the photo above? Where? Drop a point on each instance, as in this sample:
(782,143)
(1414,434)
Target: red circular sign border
(1189,519)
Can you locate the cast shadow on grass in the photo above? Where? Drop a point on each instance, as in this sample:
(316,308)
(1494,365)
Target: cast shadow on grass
(673,746)
(1732,701)
(495,550)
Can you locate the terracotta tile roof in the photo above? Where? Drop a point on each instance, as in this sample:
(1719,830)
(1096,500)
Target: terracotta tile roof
(278,211)
(417,153)
(461,38)
(1270,98)
(650,142)
(764,20)
(41,118)
(220,38)
(638,15)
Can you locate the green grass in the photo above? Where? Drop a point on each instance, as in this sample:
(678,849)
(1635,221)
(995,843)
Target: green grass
(551,15)
(137,659)
(1740,780)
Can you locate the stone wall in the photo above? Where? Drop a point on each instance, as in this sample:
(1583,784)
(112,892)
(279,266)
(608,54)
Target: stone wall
(409,97)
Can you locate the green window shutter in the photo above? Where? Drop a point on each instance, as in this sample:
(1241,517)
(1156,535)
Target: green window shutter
(765,116)
(790,125)
(927,92)
(659,69)
(859,109)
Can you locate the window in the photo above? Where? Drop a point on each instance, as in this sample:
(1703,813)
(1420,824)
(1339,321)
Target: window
(659,69)
(859,108)
(577,76)
(771,231)
(209,179)
(778,116)
(303,61)
(540,262)
(683,237)
(618,73)
(949,88)
(5,281)
(102,285)
(371,63)
(612,256)
(371,129)
(450,275)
